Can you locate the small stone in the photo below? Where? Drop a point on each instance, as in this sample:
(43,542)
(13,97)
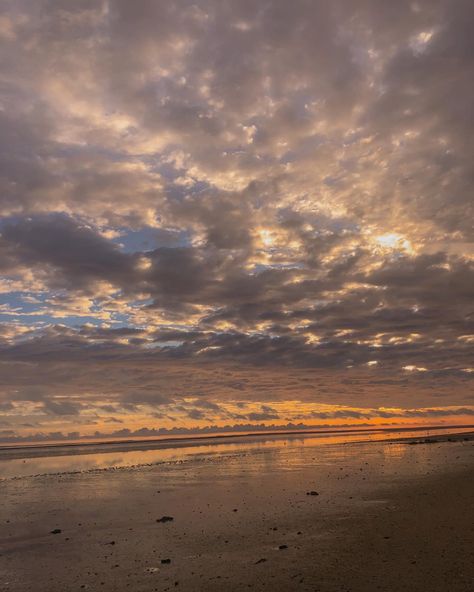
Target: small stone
(165,519)
(56,531)
(166,561)
(281,547)
(260,561)
(312,493)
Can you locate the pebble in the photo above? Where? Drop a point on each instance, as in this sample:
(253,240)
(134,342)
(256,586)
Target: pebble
(165,519)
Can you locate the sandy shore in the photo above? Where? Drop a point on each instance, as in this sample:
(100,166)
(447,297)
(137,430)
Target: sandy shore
(388,516)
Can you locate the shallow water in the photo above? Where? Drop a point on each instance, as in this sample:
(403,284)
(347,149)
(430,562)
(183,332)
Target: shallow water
(293,450)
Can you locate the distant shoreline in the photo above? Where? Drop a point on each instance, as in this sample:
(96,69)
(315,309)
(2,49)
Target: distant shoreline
(218,436)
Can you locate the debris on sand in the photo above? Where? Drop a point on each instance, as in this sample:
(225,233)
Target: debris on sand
(281,547)
(165,561)
(56,531)
(312,493)
(262,560)
(165,519)
(425,441)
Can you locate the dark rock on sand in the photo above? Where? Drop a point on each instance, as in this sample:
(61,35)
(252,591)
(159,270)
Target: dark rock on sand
(56,531)
(281,547)
(166,561)
(312,493)
(165,519)
(262,560)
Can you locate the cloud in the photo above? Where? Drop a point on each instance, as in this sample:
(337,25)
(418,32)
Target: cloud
(60,407)
(74,254)
(265,413)
(223,203)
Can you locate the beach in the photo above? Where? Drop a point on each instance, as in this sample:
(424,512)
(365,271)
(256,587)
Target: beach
(236,296)
(297,515)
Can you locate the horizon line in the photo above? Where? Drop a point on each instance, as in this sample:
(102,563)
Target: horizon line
(216,436)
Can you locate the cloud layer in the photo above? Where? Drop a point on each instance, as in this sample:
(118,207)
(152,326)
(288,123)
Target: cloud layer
(230,212)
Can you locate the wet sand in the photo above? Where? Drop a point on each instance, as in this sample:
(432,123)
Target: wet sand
(388,516)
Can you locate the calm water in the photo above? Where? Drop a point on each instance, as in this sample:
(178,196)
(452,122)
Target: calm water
(21,462)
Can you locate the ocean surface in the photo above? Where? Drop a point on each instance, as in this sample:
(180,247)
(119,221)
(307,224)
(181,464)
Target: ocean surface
(25,461)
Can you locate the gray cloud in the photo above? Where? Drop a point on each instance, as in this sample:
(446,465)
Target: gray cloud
(60,407)
(75,253)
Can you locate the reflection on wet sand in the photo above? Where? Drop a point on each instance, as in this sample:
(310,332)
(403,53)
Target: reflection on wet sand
(292,449)
(388,515)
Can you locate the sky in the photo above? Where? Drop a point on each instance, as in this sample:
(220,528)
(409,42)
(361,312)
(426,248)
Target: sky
(235,213)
